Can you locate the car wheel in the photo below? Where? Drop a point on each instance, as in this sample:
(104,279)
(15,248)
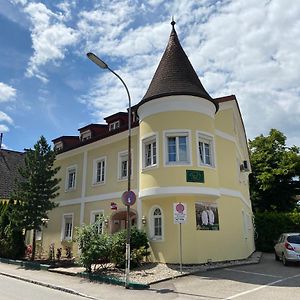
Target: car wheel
(284,260)
(276,256)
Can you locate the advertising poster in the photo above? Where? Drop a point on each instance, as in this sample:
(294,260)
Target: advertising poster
(207,216)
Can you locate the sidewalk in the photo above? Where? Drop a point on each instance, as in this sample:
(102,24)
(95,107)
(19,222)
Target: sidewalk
(94,290)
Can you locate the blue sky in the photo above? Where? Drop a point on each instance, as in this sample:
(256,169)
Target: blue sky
(48,87)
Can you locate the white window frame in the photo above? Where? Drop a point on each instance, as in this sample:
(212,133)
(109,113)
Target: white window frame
(120,160)
(208,138)
(153,237)
(59,146)
(95,170)
(38,235)
(92,218)
(177,133)
(68,171)
(114,125)
(153,138)
(86,135)
(63,228)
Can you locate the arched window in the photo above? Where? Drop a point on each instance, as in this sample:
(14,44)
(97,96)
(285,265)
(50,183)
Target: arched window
(157,224)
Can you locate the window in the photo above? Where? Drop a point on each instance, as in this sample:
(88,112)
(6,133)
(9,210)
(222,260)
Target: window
(97,217)
(71,178)
(99,170)
(123,165)
(177,148)
(205,148)
(114,125)
(156,224)
(86,135)
(149,152)
(38,235)
(67,228)
(58,146)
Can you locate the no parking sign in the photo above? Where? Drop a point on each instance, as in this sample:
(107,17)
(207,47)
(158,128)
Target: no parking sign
(180,213)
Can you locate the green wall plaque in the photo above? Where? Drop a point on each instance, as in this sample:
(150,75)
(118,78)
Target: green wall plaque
(194,176)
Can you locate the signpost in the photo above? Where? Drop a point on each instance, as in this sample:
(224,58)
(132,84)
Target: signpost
(180,216)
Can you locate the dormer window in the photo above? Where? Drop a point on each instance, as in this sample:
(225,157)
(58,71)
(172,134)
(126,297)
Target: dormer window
(114,125)
(86,135)
(58,146)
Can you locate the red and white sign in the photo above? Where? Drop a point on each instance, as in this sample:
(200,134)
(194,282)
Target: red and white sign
(113,206)
(180,213)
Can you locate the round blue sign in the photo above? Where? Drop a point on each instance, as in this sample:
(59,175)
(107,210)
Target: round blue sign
(128,198)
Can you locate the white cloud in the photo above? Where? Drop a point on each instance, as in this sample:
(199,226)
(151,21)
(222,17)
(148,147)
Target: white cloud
(50,38)
(3,128)
(5,118)
(7,92)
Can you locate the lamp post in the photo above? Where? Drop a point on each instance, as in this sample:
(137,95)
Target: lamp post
(95,59)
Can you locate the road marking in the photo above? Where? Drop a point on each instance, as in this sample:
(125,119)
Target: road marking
(261,274)
(261,287)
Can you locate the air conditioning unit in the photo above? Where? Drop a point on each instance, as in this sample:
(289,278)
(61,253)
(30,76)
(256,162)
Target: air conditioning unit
(244,167)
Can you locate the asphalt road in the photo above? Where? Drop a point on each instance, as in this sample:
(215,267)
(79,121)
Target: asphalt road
(14,289)
(267,280)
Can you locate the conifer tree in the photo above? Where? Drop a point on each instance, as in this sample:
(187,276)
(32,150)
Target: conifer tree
(37,189)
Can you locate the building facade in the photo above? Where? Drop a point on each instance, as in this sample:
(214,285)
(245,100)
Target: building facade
(189,160)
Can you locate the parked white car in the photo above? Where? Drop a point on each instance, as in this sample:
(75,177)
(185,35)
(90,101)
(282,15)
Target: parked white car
(287,248)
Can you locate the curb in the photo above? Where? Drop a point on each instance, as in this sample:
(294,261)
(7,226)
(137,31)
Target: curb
(28,265)
(113,280)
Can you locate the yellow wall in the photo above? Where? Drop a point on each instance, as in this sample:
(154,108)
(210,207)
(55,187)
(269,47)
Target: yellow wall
(199,246)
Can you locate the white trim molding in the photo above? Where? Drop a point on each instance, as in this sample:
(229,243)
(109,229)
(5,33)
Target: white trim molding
(177,103)
(179,190)
(100,197)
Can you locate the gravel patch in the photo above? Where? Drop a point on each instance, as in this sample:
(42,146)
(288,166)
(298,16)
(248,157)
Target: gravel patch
(150,273)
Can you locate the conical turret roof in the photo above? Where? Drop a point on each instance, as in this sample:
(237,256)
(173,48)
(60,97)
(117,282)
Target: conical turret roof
(175,75)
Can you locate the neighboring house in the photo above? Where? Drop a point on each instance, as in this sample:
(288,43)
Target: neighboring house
(188,150)
(10,161)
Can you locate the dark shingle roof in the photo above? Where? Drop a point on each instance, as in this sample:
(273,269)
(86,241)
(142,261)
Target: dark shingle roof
(175,75)
(10,161)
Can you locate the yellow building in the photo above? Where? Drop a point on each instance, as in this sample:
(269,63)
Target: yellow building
(189,160)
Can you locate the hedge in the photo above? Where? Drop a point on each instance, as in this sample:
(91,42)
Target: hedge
(269,226)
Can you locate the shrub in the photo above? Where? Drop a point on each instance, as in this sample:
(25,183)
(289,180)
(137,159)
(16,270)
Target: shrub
(95,248)
(11,237)
(100,249)
(138,247)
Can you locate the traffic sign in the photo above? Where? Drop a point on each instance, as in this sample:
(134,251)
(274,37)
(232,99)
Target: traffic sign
(180,213)
(128,198)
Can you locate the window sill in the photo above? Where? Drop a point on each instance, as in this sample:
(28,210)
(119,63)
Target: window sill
(207,166)
(156,239)
(70,190)
(178,164)
(145,169)
(95,184)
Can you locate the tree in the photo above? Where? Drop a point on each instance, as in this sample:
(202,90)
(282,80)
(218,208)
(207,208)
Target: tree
(37,188)
(274,182)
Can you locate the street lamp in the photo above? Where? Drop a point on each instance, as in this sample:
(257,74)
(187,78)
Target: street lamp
(95,59)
